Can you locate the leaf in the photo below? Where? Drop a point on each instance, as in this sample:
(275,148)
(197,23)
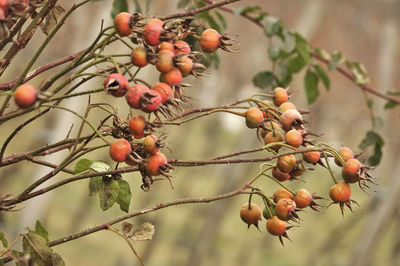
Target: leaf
(126,227)
(282,73)
(100,166)
(295,64)
(118,7)
(271,26)
(95,185)
(82,165)
(211,21)
(289,41)
(390,105)
(35,246)
(52,19)
(57,259)
(302,48)
(124,195)
(274,52)
(359,72)
(246,9)
(337,59)
(322,53)
(222,20)
(144,232)
(108,194)
(323,76)
(373,139)
(40,230)
(311,86)
(3,240)
(264,79)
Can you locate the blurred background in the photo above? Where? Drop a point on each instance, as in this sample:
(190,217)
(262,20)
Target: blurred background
(213,234)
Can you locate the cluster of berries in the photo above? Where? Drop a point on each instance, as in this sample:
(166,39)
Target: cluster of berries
(280,124)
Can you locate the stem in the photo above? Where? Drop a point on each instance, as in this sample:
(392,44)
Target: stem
(127,241)
(329,167)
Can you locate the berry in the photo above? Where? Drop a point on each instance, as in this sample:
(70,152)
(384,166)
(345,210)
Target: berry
(156,21)
(19,5)
(274,136)
(164,89)
(137,125)
(293,138)
(155,97)
(286,106)
(120,149)
(182,47)
(285,209)
(280,96)
(153,164)
(286,163)
(303,198)
(346,154)
(172,77)
(116,84)
(280,176)
(165,61)
(166,46)
(276,226)
(290,118)
(311,156)
(134,94)
(271,125)
(350,171)
(185,65)
(254,117)
(340,192)
(139,57)
(151,34)
(150,145)
(282,193)
(251,215)
(210,40)
(25,96)
(122,23)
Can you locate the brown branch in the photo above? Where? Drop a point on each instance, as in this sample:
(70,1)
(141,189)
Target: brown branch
(199,10)
(342,71)
(51,165)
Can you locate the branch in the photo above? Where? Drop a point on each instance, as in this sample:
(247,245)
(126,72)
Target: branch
(199,10)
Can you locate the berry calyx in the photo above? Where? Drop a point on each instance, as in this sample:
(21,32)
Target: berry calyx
(254,117)
(116,84)
(120,149)
(155,101)
(250,215)
(25,96)
(154,163)
(290,118)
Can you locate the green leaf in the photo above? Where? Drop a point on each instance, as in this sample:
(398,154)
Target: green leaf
(108,194)
(373,139)
(82,165)
(124,195)
(211,21)
(100,166)
(390,105)
(271,26)
(274,52)
(289,41)
(282,73)
(264,79)
(359,72)
(40,230)
(337,59)
(35,246)
(322,53)
(311,86)
(222,20)
(323,76)
(295,64)
(95,185)
(302,48)
(118,7)
(246,9)
(57,260)
(3,240)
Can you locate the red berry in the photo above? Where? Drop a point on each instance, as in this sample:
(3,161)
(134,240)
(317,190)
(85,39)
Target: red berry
(282,193)
(156,21)
(185,65)
(166,46)
(293,138)
(350,171)
(122,23)
(137,125)
(155,98)
(284,209)
(134,93)
(116,84)
(280,96)
(346,154)
(280,176)
(154,162)
(19,5)
(210,40)
(251,215)
(151,34)
(182,47)
(139,57)
(286,106)
(150,145)
(276,226)
(120,149)
(165,61)
(172,77)
(274,136)
(340,192)
(303,198)
(290,118)
(164,89)
(254,117)
(311,156)
(287,163)
(25,96)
